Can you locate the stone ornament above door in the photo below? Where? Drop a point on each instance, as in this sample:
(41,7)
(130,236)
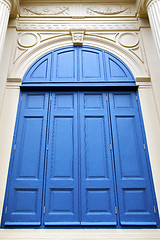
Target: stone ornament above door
(77,10)
(77,37)
(29,40)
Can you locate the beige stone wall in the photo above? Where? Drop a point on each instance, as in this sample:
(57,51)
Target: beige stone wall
(115,28)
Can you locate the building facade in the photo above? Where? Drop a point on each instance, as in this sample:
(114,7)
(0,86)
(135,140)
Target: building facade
(80,119)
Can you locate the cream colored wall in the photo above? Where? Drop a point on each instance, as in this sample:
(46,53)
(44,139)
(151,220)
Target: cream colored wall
(134,46)
(152,129)
(153,63)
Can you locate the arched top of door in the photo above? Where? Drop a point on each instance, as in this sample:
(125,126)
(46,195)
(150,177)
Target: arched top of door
(78,66)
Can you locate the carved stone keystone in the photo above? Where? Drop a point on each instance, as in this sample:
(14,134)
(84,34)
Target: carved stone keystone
(77,37)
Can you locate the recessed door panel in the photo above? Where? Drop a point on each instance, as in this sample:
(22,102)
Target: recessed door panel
(64,65)
(91,65)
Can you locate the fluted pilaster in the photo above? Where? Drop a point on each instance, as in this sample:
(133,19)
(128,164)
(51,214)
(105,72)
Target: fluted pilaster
(153,9)
(5,8)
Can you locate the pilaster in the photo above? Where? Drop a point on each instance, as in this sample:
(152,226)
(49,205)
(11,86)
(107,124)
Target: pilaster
(5,8)
(153,9)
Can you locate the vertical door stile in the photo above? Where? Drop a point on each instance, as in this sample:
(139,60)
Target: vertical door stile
(79,158)
(46,156)
(112,157)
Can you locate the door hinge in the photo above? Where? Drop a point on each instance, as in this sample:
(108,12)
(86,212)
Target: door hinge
(110,147)
(144,146)
(47,147)
(115,210)
(106,98)
(136,98)
(51,98)
(21,98)
(44,209)
(6,210)
(14,146)
(154,209)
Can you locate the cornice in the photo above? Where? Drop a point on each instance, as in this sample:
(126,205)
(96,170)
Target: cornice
(74,1)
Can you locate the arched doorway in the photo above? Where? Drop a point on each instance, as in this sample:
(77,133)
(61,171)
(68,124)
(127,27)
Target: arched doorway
(79,153)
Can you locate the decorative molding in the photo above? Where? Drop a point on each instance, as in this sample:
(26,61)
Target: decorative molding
(143,82)
(77,37)
(19,51)
(78,10)
(128,40)
(47,36)
(138,52)
(143,79)
(106,10)
(27,40)
(46,11)
(69,27)
(13,83)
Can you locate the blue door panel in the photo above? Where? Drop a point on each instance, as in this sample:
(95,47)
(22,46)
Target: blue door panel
(97,189)
(117,71)
(135,198)
(40,70)
(91,65)
(61,201)
(64,65)
(25,190)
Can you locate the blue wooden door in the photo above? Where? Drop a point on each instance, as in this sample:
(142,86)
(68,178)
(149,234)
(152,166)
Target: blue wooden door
(62,164)
(96,167)
(135,196)
(62,192)
(24,198)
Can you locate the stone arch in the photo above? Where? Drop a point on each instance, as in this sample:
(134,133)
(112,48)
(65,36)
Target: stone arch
(136,66)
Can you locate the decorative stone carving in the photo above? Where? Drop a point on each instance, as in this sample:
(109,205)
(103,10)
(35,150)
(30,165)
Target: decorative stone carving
(78,10)
(138,52)
(106,10)
(27,40)
(48,36)
(131,41)
(128,40)
(19,51)
(77,37)
(46,11)
(69,27)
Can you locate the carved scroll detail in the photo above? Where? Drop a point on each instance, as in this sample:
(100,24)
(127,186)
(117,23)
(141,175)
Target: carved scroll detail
(106,11)
(46,11)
